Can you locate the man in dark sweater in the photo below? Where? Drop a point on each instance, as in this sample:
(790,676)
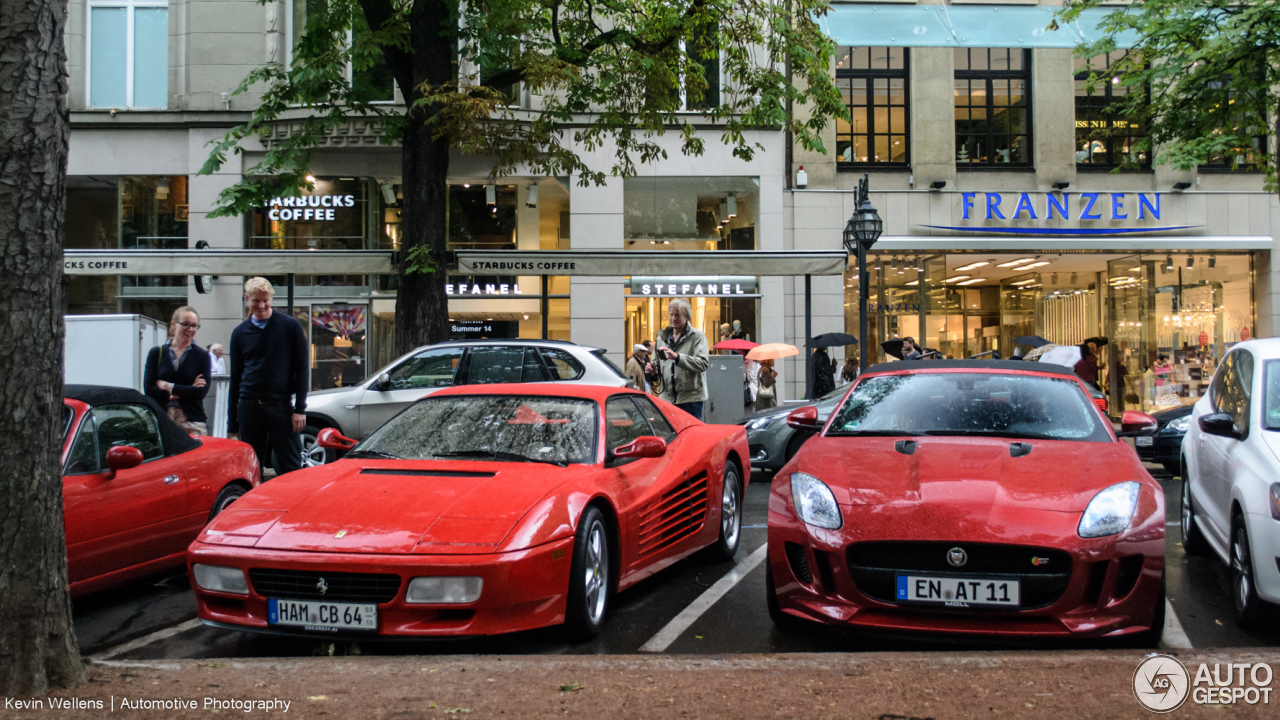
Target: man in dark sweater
(269,380)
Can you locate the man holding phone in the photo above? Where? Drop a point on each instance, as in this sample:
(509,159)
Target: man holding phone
(681,360)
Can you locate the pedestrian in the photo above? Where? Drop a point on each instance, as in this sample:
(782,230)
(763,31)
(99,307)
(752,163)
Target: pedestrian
(824,375)
(750,381)
(767,397)
(269,380)
(215,359)
(635,366)
(177,373)
(849,372)
(1087,367)
(909,349)
(655,384)
(681,360)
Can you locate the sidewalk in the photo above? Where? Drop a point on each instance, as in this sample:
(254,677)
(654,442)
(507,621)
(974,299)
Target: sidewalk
(884,686)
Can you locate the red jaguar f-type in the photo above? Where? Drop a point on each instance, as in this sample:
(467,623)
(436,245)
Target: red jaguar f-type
(968,498)
(477,510)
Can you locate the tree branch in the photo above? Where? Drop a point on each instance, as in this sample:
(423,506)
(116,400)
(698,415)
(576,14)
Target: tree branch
(379,15)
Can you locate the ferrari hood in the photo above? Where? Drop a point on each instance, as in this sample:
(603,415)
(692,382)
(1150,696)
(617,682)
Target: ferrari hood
(968,475)
(379,506)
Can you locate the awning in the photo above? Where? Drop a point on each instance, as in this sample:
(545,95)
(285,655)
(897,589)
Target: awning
(862,25)
(1039,244)
(651,262)
(228,262)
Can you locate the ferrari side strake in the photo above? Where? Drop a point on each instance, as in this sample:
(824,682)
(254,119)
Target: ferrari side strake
(477,510)
(970,498)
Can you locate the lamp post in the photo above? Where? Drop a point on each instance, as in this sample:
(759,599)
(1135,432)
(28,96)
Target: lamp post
(860,233)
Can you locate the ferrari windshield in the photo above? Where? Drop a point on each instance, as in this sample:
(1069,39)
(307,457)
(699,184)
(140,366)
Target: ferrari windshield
(511,428)
(970,403)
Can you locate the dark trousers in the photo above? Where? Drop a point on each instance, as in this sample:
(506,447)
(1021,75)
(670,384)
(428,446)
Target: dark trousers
(693,408)
(269,429)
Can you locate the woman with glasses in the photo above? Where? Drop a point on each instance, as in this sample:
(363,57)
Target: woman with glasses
(177,373)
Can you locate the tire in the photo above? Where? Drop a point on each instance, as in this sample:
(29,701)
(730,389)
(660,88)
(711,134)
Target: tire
(1193,542)
(726,546)
(1244,592)
(1150,638)
(312,454)
(589,579)
(1170,468)
(228,495)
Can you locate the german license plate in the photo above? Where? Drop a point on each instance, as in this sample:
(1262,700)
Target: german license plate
(322,616)
(1144,441)
(958,592)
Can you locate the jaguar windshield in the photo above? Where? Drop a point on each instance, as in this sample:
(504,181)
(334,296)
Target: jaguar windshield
(509,428)
(970,403)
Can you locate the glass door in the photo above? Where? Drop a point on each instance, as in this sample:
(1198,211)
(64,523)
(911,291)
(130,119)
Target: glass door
(1019,305)
(1131,353)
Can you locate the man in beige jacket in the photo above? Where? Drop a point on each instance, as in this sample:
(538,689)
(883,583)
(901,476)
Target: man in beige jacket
(681,360)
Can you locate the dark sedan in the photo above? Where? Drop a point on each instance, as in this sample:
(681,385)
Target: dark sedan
(1164,445)
(773,441)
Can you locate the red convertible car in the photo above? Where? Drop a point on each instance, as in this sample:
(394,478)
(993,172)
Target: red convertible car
(477,510)
(968,497)
(136,489)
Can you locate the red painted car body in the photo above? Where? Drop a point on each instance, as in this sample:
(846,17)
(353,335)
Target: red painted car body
(511,523)
(137,521)
(1015,516)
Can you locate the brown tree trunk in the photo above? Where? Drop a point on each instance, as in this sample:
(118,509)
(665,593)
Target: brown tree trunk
(37,640)
(422,308)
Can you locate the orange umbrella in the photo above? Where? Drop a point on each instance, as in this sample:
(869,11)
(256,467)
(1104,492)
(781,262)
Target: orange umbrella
(773,351)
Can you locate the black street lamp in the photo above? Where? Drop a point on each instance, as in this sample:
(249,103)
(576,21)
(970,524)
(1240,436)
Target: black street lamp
(861,232)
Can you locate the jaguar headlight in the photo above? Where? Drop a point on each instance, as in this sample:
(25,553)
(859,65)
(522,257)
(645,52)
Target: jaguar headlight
(814,502)
(1110,511)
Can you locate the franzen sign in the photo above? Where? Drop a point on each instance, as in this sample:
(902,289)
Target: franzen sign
(1121,211)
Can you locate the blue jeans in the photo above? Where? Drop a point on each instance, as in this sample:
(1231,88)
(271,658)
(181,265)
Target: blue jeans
(693,408)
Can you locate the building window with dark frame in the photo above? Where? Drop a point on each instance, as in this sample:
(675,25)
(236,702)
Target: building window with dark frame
(1105,138)
(993,107)
(1246,158)
(873,81)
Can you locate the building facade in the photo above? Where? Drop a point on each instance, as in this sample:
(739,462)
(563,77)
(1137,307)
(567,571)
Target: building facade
(989,151)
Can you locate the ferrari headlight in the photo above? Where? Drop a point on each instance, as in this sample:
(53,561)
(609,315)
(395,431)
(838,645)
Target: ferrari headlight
(1275,500)
(814,502)
(1177,426)
(221,579)
(1110,511)
(764,422)
(453,590)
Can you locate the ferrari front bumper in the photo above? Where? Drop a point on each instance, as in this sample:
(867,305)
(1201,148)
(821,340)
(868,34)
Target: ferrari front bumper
(522,590)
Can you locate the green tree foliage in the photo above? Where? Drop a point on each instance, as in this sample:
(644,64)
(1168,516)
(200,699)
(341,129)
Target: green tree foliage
(1204,75)
(605,75)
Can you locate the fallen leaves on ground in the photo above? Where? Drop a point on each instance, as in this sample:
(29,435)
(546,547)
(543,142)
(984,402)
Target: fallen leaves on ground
(570,687)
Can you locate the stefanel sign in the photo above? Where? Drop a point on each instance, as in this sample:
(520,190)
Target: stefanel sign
(701,286)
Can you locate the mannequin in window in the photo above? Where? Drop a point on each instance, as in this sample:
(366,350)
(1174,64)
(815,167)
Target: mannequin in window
(738,332)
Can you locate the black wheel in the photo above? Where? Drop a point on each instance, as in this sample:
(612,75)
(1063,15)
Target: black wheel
(312,454)
(1247,604)
(588,578)
(1193,542)
(726,546)
(229,494)
(1151,637)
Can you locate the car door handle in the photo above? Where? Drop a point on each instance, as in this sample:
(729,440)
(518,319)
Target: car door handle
(170,479)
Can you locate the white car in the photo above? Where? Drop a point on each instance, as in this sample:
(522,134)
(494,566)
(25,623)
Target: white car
(360,409)
(1231,465)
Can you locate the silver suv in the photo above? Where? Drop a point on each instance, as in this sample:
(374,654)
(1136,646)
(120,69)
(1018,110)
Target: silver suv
(360,409)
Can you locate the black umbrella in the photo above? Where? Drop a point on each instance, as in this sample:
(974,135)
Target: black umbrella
(1034,341)
(1100,341)
(893,348)
(833,340)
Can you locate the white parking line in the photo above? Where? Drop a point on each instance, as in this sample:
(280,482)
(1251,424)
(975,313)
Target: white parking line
(147,640)
(689,615)
(1174,635)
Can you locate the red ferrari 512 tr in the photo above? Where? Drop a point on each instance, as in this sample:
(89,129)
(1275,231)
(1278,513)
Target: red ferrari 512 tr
(477,510)
(968,497)
(136,489)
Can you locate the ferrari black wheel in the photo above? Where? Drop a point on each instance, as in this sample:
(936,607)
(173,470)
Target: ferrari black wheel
(588,578)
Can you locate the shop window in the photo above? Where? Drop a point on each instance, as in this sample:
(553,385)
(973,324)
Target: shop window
(1104,137)
(482,217)
(690,213)
(371,79)
(993,107)
(873,81)
(335,215)
(704,55)
(128,49)
(1250,155)
(337,345)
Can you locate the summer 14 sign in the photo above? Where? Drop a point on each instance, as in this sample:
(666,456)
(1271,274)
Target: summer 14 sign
(1098,213)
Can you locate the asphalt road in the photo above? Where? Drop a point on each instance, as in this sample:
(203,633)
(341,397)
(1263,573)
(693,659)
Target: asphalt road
(156,620)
